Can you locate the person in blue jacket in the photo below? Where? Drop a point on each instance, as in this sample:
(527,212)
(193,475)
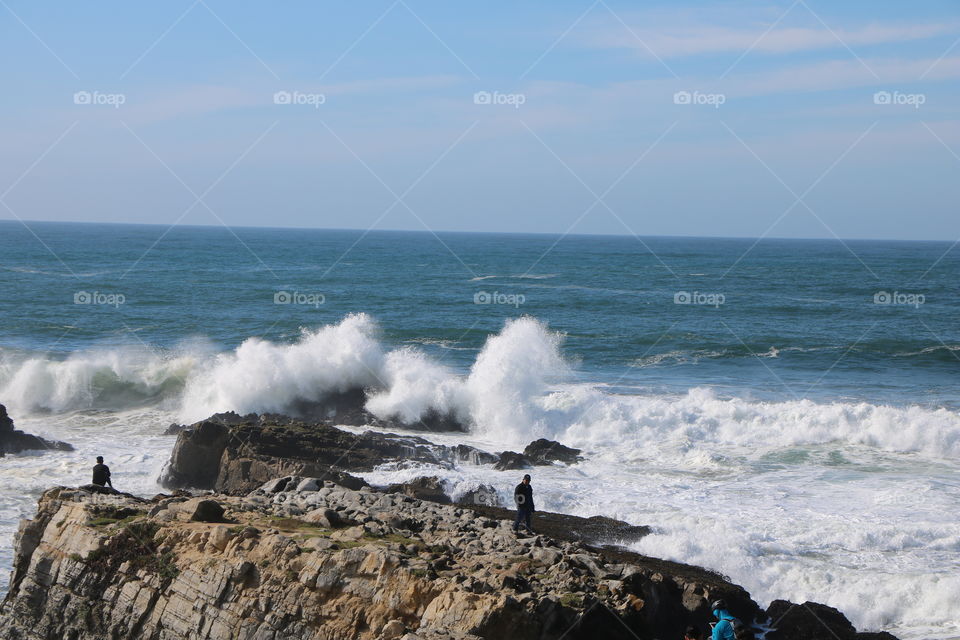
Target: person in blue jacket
(723,629)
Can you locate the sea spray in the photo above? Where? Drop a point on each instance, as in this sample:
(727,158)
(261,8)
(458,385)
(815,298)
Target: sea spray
(517,389)
(263,376)
(102,378)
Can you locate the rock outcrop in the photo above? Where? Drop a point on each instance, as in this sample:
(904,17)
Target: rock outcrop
(235,454)
(349,408)
(424,488)
(309,560)
(544,452)
(14,441)
(814,621)
(511,460)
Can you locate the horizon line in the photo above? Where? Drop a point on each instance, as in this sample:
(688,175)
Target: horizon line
(24,222)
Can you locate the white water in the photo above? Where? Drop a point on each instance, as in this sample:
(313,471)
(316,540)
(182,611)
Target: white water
(849,504)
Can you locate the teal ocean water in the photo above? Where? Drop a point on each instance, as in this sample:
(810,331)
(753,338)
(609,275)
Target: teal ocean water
(784,411)
(776,319)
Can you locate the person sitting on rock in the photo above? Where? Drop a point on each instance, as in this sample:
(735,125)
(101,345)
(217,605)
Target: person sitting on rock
(101,474)
(692,633)
(523,496)
(723,629)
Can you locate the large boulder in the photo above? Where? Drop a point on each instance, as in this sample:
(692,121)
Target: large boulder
(511,460)
(207,511)
(485,495)
(814,621)
(423,488)
(14,441)
(236,454)
(545,452)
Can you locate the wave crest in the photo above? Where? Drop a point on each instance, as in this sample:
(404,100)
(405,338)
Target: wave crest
(513,393)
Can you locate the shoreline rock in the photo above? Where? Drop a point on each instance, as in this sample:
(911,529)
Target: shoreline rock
(15,441)
(329,562)
(544,452)
(235,454)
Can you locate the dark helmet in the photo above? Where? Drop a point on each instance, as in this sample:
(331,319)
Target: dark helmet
(719,605)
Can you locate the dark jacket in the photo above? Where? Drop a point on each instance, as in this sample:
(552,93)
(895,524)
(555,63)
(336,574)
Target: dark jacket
(101,475)
(523,496)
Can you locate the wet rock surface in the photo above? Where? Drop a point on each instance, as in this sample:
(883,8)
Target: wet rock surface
(234,454)
(511,460)
(16,441)
(814,621)
(544,452)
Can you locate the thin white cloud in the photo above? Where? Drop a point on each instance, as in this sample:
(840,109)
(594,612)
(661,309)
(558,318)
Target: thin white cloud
(691,40)
(839,74)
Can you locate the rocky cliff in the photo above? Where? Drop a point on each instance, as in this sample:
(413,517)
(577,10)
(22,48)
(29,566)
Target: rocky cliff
(305,559)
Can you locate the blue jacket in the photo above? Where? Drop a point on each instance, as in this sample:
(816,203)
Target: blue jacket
(723,630)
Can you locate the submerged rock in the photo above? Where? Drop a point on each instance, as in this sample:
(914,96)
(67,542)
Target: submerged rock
(15,441)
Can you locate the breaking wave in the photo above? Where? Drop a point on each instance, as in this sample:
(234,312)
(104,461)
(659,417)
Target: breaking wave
(517,389)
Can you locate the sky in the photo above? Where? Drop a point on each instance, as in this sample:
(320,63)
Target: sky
(800,118)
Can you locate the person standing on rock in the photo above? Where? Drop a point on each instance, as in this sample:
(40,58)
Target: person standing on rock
(523,496)
(101,473)
(726,624)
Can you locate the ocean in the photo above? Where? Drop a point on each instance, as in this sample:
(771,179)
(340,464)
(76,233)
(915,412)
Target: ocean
(782,411)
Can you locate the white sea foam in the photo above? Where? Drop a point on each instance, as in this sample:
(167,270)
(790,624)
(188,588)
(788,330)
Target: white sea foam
(514,392)
(845,503)
(265,376)
(108,378)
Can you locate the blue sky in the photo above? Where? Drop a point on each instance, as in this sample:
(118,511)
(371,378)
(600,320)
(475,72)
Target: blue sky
(707,119)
